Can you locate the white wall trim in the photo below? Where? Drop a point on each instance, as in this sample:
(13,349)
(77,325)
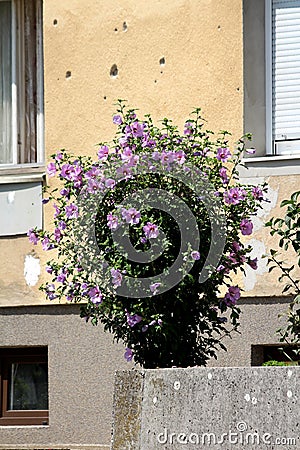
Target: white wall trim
(268,87)
(266,166)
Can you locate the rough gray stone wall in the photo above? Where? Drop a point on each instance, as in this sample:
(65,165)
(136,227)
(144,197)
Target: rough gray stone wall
(208,408)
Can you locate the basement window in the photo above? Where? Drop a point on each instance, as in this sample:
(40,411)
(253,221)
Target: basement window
(284,354)
(24,386)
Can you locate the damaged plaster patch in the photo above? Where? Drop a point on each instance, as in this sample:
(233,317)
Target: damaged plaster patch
(11,197)
(250,277)
(259,220)
(267,206)
(32,270)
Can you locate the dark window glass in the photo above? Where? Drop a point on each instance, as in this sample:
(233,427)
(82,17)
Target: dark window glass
(28,386)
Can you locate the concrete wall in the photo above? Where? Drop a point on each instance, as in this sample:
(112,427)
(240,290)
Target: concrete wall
(217,408)
(81,361)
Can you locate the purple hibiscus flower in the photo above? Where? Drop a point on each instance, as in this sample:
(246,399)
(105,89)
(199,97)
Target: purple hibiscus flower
(223,154)
(126,154)
(94,172)
(72,172)
(223,175)
(232,296)
(112,221)
(188,128)
(32,236)
(195,255)
(57,234)
(257,193)
(57,210)
(132,319)
(62,276)
(125,171)
(234,196)
(93,186)
(180,157)
(65,192)
(110,183)
(151,230)
(103,152)
(49,269)
(71,211)
(131,216)
(154,288)
(136,129)
(128,355)
(246,227)
(117,119)
(51,169)
(62,225)
(253,263)
(46,245)
(50,291)
(95,295)
(59,156)
(167,157)
(116,277)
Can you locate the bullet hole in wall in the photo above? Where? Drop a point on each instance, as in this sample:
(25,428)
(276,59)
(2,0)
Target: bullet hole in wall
(162,61)
(55,22)
(114,71)
(155,81)
(237,88)
(219,27)
(68,74)
(125,26)
(104,98)
(116,30)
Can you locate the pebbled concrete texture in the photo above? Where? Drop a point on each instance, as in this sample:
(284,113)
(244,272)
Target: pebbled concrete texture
(208,408)
(127,409)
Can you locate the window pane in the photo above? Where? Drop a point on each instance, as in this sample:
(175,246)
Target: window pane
(29,145)
(28,387)
(5,83)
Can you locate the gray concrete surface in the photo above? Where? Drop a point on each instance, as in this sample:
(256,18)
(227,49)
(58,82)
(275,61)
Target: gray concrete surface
(82,360)
(258,324)
(207,408)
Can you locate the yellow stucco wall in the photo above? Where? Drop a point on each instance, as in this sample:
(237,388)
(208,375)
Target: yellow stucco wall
(202,44)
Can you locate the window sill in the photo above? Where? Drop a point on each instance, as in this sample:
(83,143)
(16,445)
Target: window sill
(22,174)
(262,166)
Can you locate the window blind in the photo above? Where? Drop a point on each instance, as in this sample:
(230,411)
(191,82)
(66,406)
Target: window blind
(286,71)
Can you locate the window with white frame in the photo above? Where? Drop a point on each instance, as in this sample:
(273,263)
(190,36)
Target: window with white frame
(21,83)
(283,76)
(271,32)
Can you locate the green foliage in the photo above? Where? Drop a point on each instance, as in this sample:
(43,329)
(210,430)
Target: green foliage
(287,231)
(274,363)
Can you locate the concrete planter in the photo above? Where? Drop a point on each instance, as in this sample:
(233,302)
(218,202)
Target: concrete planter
(207,408)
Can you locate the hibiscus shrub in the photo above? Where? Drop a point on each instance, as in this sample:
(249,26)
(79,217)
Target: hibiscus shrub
(149,235)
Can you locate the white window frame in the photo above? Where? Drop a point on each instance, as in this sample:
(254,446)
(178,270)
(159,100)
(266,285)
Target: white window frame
(17,88)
